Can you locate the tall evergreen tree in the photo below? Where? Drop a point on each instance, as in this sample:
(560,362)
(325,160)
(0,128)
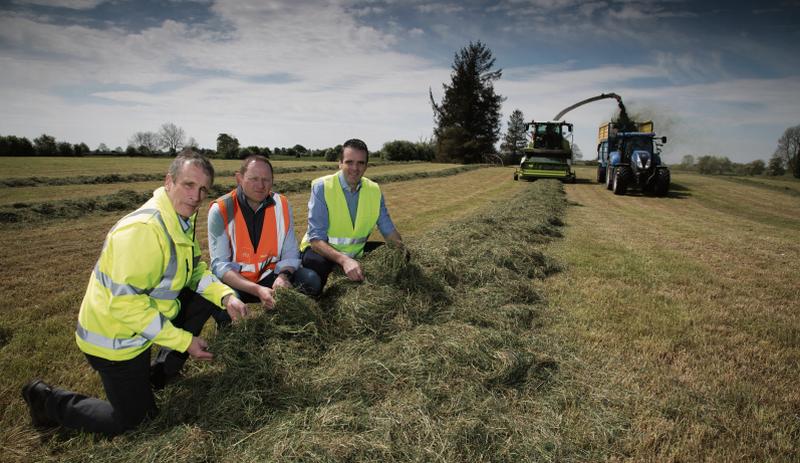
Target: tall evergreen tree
(514,139)
(468,120)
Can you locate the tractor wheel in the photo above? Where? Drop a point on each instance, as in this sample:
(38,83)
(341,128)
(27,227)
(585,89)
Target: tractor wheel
(516,176)
(610,177)
(601,174)
(622,179)
(661,187)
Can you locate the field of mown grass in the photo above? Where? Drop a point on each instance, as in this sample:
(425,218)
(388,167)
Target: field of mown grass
(685,313)
(530,325)
(11,195)
(21,167)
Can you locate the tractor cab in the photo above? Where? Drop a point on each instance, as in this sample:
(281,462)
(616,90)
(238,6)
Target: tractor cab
(549,136)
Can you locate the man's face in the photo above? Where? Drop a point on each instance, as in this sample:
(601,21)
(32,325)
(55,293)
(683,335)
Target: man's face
(256,181)
(353,164)
(188,190)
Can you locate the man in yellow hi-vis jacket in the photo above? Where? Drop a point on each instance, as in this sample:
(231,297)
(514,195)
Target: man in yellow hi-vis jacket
(342,211)
(148,287)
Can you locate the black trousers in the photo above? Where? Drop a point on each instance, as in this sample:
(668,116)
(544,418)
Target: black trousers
(323,267)
(126,382)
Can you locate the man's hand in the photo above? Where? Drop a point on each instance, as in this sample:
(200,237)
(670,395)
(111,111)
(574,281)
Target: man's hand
(236,308)
(352,269)
(282,282)
(266,296)
(197,349)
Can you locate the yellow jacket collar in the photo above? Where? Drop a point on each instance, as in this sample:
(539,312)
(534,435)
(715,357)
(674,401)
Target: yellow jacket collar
(170,217)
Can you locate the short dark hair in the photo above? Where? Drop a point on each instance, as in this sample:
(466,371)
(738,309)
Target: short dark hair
(193,157)
(354,143)
(255,158)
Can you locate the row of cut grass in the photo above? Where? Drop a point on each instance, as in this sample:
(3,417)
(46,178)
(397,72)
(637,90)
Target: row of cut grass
(42,193)
(53,261)
(433,359)
(129,199)
(61,167)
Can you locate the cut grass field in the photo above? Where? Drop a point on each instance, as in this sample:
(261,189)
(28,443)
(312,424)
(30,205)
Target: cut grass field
(672,334)
(11,195)
(685,313)
(21,167)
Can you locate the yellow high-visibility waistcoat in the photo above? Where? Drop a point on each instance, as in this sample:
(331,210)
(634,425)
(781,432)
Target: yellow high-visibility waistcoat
(255,263)
(343,236)
(132,293)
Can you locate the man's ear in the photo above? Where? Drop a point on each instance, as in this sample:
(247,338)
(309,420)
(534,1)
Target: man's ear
(168,182)
(239,178)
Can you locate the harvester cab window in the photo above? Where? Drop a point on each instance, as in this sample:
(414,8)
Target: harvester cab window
(552,137)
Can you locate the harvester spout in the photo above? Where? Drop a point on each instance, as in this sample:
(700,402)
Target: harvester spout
(589,100)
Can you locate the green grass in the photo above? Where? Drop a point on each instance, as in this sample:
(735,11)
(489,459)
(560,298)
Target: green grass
(21,194)
(525,328)
(21,167)
(124,199)
(687,306)
(785,184)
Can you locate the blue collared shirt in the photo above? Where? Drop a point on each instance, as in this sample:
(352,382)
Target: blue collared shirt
(186,224)
(220,247)
(318,210)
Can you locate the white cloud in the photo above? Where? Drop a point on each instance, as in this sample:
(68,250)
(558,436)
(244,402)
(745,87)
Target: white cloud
(345,78)
(445,8)
(71,4)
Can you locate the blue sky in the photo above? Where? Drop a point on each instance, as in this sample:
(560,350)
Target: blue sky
(717,77)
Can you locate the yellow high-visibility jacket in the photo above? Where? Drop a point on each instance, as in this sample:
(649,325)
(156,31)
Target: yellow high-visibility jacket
(343,235)
(132,294)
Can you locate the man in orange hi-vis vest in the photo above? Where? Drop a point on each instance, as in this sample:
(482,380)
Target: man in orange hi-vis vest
(251,239)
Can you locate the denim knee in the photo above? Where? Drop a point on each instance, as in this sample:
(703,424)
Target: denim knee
(307,281)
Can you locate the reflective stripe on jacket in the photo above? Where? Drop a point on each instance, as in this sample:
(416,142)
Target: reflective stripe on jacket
(132,293)
(255,264)
(343,235)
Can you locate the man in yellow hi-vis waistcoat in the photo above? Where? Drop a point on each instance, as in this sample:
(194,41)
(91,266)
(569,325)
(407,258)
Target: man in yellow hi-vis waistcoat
(148,287)
(342,211)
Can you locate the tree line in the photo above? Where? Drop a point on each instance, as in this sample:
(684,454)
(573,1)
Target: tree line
(397,150)
(147,144)
(786,158)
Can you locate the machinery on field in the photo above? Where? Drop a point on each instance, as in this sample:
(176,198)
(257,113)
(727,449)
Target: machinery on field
(549,152)
(629,156)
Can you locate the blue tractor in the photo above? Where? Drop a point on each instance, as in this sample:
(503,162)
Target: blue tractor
(632,159)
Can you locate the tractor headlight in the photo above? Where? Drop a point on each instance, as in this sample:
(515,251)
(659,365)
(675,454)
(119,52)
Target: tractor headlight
(643,159)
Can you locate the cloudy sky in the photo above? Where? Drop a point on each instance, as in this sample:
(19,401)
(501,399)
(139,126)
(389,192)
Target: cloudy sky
(718,77)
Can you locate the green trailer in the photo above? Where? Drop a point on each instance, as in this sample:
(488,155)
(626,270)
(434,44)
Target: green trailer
(549,152)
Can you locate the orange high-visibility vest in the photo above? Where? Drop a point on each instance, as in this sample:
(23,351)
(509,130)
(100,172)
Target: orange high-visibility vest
(255,263)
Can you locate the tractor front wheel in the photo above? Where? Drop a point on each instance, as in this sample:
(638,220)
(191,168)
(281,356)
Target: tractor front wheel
(661,187)
(610,171)
(622,179)
(601,174)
